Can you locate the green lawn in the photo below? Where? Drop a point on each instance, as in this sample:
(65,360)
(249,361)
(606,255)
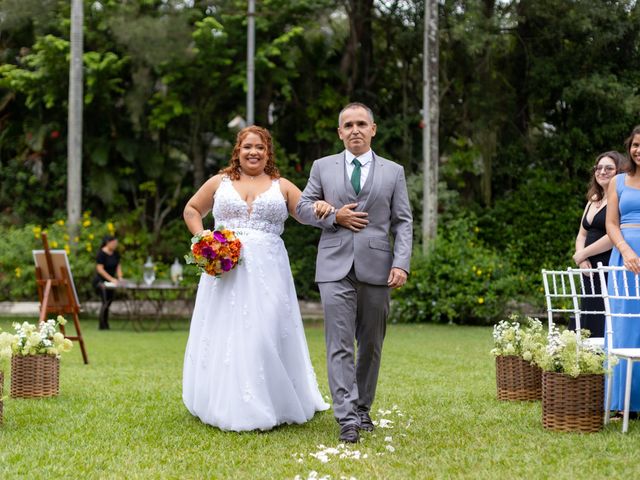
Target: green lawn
(122,417)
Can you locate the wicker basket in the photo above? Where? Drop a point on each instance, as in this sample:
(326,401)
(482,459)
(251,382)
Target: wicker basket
(572,404)
(517,379)
(34,376)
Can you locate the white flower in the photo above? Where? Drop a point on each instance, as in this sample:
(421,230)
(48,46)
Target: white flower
(390,448)
(7,339)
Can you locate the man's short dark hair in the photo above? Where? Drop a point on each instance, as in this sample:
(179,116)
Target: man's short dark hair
(355,105)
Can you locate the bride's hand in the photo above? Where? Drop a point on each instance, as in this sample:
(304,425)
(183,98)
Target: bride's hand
(322,209)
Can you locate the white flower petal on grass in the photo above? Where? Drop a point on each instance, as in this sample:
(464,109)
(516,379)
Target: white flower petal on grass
(390,448)
(385,423)
(388,439)
(320,456)
(341,451)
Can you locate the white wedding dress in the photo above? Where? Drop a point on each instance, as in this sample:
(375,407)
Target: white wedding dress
(247,364)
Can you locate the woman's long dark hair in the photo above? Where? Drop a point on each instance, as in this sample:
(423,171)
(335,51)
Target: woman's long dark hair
(627,145)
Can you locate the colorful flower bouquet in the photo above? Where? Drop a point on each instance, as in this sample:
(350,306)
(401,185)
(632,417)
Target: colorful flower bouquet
(215,252)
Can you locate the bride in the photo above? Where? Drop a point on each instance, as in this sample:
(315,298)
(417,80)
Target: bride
(247,364)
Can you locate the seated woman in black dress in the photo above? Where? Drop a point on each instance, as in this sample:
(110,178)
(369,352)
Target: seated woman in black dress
(592,243)
(107,270)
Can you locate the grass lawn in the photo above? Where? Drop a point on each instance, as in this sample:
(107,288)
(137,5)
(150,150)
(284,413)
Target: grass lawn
(122,417)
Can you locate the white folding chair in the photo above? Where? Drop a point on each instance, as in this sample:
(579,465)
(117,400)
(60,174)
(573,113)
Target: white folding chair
(624,287)
(564,291)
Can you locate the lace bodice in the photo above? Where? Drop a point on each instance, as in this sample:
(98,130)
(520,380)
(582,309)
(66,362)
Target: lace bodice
(267,213)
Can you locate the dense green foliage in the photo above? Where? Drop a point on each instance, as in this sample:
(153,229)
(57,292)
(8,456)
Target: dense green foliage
(17,278)
(531,91)
(460,280)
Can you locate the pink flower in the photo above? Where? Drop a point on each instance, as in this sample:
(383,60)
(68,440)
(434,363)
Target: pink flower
(219,236)
(226,264)
(208,252)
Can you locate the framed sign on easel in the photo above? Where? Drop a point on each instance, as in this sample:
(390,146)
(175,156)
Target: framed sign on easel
(56,290)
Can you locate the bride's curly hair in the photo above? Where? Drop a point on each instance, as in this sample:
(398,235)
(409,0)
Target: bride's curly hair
(233,169)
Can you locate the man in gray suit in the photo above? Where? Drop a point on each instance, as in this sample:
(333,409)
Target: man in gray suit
(364,251)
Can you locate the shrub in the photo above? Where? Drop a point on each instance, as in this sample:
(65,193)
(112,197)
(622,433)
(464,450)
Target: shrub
(17,272)
(543,220)
(460,280)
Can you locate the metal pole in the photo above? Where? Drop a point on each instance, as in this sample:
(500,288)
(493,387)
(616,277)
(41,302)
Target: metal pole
(74,139)
(251,47)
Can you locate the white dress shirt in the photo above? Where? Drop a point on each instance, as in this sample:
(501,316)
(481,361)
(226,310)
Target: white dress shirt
(365,160)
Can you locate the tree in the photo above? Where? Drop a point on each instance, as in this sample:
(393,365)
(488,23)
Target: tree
(431,110)
(74,162)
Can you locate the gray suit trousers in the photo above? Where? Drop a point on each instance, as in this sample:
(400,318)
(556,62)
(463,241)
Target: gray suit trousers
(353,309)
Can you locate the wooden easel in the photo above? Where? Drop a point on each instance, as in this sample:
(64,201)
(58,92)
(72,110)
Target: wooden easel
(57,294)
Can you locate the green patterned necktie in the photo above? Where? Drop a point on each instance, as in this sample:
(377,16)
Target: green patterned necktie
(355,176)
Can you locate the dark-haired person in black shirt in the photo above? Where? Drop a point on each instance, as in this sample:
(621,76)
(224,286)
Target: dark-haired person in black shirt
(107,270)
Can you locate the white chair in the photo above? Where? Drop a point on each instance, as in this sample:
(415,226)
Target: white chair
(626,288)
(564,291)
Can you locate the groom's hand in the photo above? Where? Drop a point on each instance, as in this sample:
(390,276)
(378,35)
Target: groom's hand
(397,278)
(349,218)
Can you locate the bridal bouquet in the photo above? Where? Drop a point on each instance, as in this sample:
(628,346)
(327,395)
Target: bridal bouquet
(215,252)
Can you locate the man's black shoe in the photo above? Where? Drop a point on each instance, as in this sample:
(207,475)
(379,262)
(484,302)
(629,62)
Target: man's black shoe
(366,423)
(349,433)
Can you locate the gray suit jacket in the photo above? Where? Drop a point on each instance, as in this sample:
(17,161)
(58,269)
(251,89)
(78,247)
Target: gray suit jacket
(384,243)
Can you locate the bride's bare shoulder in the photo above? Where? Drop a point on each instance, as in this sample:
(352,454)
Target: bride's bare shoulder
(213,183)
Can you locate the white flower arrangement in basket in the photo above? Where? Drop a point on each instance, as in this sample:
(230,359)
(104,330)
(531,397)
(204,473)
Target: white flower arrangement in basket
(31,339)
(523,338)
(567,353)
